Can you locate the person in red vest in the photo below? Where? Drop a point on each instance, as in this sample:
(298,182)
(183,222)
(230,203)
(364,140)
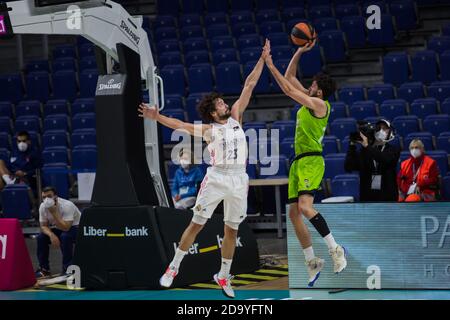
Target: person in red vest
(418,178)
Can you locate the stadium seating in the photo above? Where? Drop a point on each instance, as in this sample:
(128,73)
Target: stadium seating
(16,202)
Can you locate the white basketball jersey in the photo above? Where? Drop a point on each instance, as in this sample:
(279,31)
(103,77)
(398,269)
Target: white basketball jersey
(228,146)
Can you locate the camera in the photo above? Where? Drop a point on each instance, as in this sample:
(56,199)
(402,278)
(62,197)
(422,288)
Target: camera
(367,129)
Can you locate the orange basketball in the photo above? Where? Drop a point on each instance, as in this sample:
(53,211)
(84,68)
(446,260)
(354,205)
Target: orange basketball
(303,33)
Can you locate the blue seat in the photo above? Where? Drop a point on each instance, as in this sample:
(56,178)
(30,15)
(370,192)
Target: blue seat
(16,202)
(445,106)
(171,169)
(338,110)
(170,7)
(221,42)
(439,90)
(200,78)
(319,12)
(268,27)
(287,148)
(334,165)
(83,106)
(55,155)
(6,109)
(237,5)
(55,174)
(224,55)
(424,66)
(194,44)
(441,157)
(273,167)
(215,17)
(38,86)
(241,17)
(191,32)
(88,83)
(342,127)
(56,122)
(27,123)
(170,58)
(55,138)
(86,50)
(173,101)
(250,54)
(64,51)
(281,52)
(325,24)
(241,29)
(88,63)
(84,157)
(174,80)
(267,15)
(267,4)
(444,60)
(404,13)
(255,129)
(437,123)
(395,68)
(12,89)
(410,91)
(439,44)
(406,124)
(346,10)
(189,19)
(163,33)
(63,64)
(5,140)
(332,42)
(263,147)
(194,57)
(345,187)
(83,121)
(311,62)
(193,6)
(5,124)
(28,108)
(329,145)
(288,4)
(83,137)
(363,109)
(217,30)
(228,77)
(5,154)
(279,39)
(423,107)
(167,132)
(425,137)
(281,65)
(37,65)
(168,45)
(380,92)
(191,106)
(249,41)
(286,128)
(383,36)
(393,108)
(443,141)
(446,188)
(64,85)
(263,85)
(351,94)
(293,14)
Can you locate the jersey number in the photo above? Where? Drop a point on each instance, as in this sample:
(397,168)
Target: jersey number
(232,154)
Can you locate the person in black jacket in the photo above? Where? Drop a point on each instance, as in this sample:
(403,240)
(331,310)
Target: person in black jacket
(376,163)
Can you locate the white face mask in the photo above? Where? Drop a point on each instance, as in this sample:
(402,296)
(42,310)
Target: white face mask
(185,163)
(416,153)
(22,146)
(381,135)
(49,202)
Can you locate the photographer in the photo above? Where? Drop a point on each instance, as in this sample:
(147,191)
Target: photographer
(376,161)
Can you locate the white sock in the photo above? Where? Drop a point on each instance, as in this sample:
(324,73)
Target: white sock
(330,242)
(179,255)
(7,179)
(309,253)
(225,268)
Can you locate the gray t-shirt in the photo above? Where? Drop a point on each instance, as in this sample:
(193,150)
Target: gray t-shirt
(67,209)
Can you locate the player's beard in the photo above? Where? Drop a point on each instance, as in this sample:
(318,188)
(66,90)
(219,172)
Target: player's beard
(226,115)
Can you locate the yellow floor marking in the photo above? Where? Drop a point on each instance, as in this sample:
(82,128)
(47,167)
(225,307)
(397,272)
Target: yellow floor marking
(254,276)
(203,250)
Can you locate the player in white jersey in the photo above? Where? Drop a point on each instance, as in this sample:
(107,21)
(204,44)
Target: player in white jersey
(226,178)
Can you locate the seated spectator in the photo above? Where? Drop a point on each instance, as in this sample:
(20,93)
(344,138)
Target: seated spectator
(418,178)
(186,182)
(59,219)
(22,165)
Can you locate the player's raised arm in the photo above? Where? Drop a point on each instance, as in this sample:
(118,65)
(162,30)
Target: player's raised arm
(315,104)
(291,71)
(199,130)
(238,108)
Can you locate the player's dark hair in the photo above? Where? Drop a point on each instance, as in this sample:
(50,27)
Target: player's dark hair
(207,106)
(325,83)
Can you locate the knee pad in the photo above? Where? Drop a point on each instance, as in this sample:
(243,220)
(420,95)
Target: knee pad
(197,219)
(233,225)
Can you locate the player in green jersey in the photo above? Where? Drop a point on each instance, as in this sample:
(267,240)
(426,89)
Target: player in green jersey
(307,169)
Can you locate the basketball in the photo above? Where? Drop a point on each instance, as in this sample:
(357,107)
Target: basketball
(303,33)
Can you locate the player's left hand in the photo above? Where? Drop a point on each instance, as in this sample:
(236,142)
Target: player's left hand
(307,47)
(267,57)
(148,112)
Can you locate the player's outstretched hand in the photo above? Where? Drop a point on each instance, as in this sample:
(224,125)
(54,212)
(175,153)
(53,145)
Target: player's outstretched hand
(267,57)
(148,112)
(307,47)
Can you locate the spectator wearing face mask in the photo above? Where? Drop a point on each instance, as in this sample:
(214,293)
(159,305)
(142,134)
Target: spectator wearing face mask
(22,165)
(186,182)
(377,164)
(59,219)
(418,178)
